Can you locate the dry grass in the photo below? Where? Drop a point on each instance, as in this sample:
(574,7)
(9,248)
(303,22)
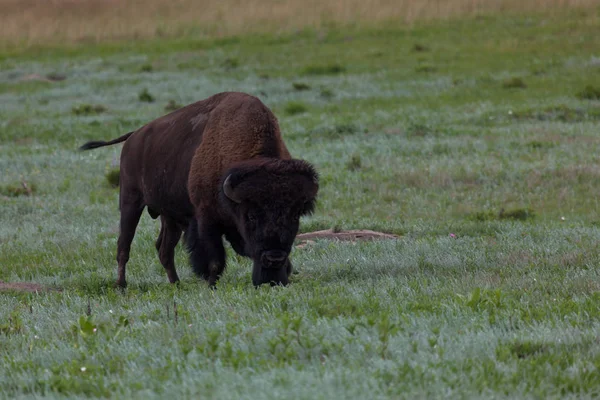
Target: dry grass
(51,21)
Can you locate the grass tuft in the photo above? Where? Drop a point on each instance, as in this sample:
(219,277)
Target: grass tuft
(329,69)
(524,349)
(146,68)
(336,131)
(514,83)
(562,113)
(172,105)
(89,109)
(300,86)
(590,92)
(419,129)
(419,48)
(517,214)
(295,107)
(326,93)
(354,163)
(425,68)
(14,324)
(18,189)
(231,63)
(112,177)
(145,96)
(56,77)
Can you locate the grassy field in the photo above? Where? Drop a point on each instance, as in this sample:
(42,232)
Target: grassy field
(476,139)
(33,22)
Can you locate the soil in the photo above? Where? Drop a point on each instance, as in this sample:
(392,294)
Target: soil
(23,287)
(47,78)
(351,235)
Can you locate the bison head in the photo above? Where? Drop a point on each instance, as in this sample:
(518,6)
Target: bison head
(266,198)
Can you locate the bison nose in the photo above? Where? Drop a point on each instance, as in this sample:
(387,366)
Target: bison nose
(274,258)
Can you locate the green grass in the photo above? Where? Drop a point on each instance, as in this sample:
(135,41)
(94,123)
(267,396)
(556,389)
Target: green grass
(492,291)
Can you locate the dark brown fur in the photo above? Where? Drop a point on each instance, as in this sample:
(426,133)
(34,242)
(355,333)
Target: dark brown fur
(177,166)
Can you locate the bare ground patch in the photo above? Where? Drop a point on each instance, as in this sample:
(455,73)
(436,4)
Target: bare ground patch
(350,235)
(24,287)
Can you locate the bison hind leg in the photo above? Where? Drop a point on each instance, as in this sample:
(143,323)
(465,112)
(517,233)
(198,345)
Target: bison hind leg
(169,236)
(131,207)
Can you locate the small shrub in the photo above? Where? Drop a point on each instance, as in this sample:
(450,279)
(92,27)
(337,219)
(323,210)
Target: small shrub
(18,189)
(590,93)
(14,325)
(326,93)
(355,163)
(517,214)
(425,68)
(172,105)
(526,348)
(231,63)
(483,216)
(88,109)
(56,77)
(293,108)
(514,83)
(112,177)
(300,86)
(520,214)
(331,69)
(146,96)
(538,145)
(146,68)
(538,71)
(336,131)
(418,47)
(418,129)
(560,113)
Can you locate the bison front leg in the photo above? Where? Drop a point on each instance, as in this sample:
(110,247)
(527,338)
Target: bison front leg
(272,276)
(169,236)
(207,254)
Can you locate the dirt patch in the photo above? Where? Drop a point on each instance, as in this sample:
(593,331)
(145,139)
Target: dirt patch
(53,77)
(23,287)
(351,236)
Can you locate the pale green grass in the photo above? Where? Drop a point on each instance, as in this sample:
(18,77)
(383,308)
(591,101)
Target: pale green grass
(470,302)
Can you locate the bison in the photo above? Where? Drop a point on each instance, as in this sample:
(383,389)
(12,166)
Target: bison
(214,168)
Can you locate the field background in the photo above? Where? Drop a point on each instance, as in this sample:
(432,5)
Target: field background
(469,128)
(59,21)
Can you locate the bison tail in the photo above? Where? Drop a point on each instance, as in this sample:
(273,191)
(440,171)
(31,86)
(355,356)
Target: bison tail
(95,144)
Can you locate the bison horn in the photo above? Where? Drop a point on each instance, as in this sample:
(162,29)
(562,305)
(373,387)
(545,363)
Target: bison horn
(229,192)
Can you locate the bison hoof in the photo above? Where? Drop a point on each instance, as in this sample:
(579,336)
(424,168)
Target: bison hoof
(121,284)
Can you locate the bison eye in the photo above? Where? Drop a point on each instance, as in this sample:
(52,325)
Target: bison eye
(251,218)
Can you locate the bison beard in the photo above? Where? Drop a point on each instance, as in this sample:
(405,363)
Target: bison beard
(214,168)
